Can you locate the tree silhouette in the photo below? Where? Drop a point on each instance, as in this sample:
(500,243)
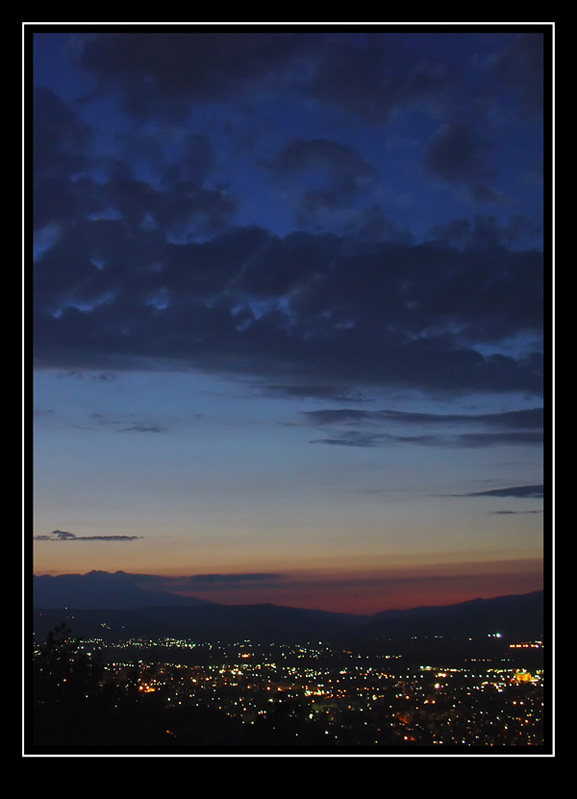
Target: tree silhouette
(73,706)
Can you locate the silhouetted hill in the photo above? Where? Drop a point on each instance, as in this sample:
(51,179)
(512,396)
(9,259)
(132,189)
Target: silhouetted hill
(519,615)
(114,607)
(223,623)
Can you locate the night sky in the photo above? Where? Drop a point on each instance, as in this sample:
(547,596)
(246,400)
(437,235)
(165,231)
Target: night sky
(288,309)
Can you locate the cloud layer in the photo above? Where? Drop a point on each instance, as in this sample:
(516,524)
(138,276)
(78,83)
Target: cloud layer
(141,259)
(303,306)
(378,428)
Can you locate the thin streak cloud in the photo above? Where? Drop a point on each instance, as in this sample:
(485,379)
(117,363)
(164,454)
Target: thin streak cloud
(62,535)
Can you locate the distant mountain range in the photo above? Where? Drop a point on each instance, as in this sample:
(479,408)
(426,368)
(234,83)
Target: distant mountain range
(100,601)
(100,590)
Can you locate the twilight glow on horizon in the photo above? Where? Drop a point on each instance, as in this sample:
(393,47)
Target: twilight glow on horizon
(288,310)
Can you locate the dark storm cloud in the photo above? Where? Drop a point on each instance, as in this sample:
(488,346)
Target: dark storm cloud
(329,183)
(62,535)
(171,155)
(344,170)
(60,140)
(321,211)
(303,306)
(61,153)
(161,73)
(370,75)
(457,153)
(141,267)
(519,69)
(373,76)
(483,232)
(73,183)
(182,209)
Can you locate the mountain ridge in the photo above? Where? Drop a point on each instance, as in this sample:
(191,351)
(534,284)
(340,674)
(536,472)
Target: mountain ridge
(140,612)
(85,592)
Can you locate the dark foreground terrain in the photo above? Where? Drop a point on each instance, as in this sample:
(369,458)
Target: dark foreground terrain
(463,678)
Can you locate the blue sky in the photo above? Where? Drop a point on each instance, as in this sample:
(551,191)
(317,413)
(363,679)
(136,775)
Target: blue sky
(289,307)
